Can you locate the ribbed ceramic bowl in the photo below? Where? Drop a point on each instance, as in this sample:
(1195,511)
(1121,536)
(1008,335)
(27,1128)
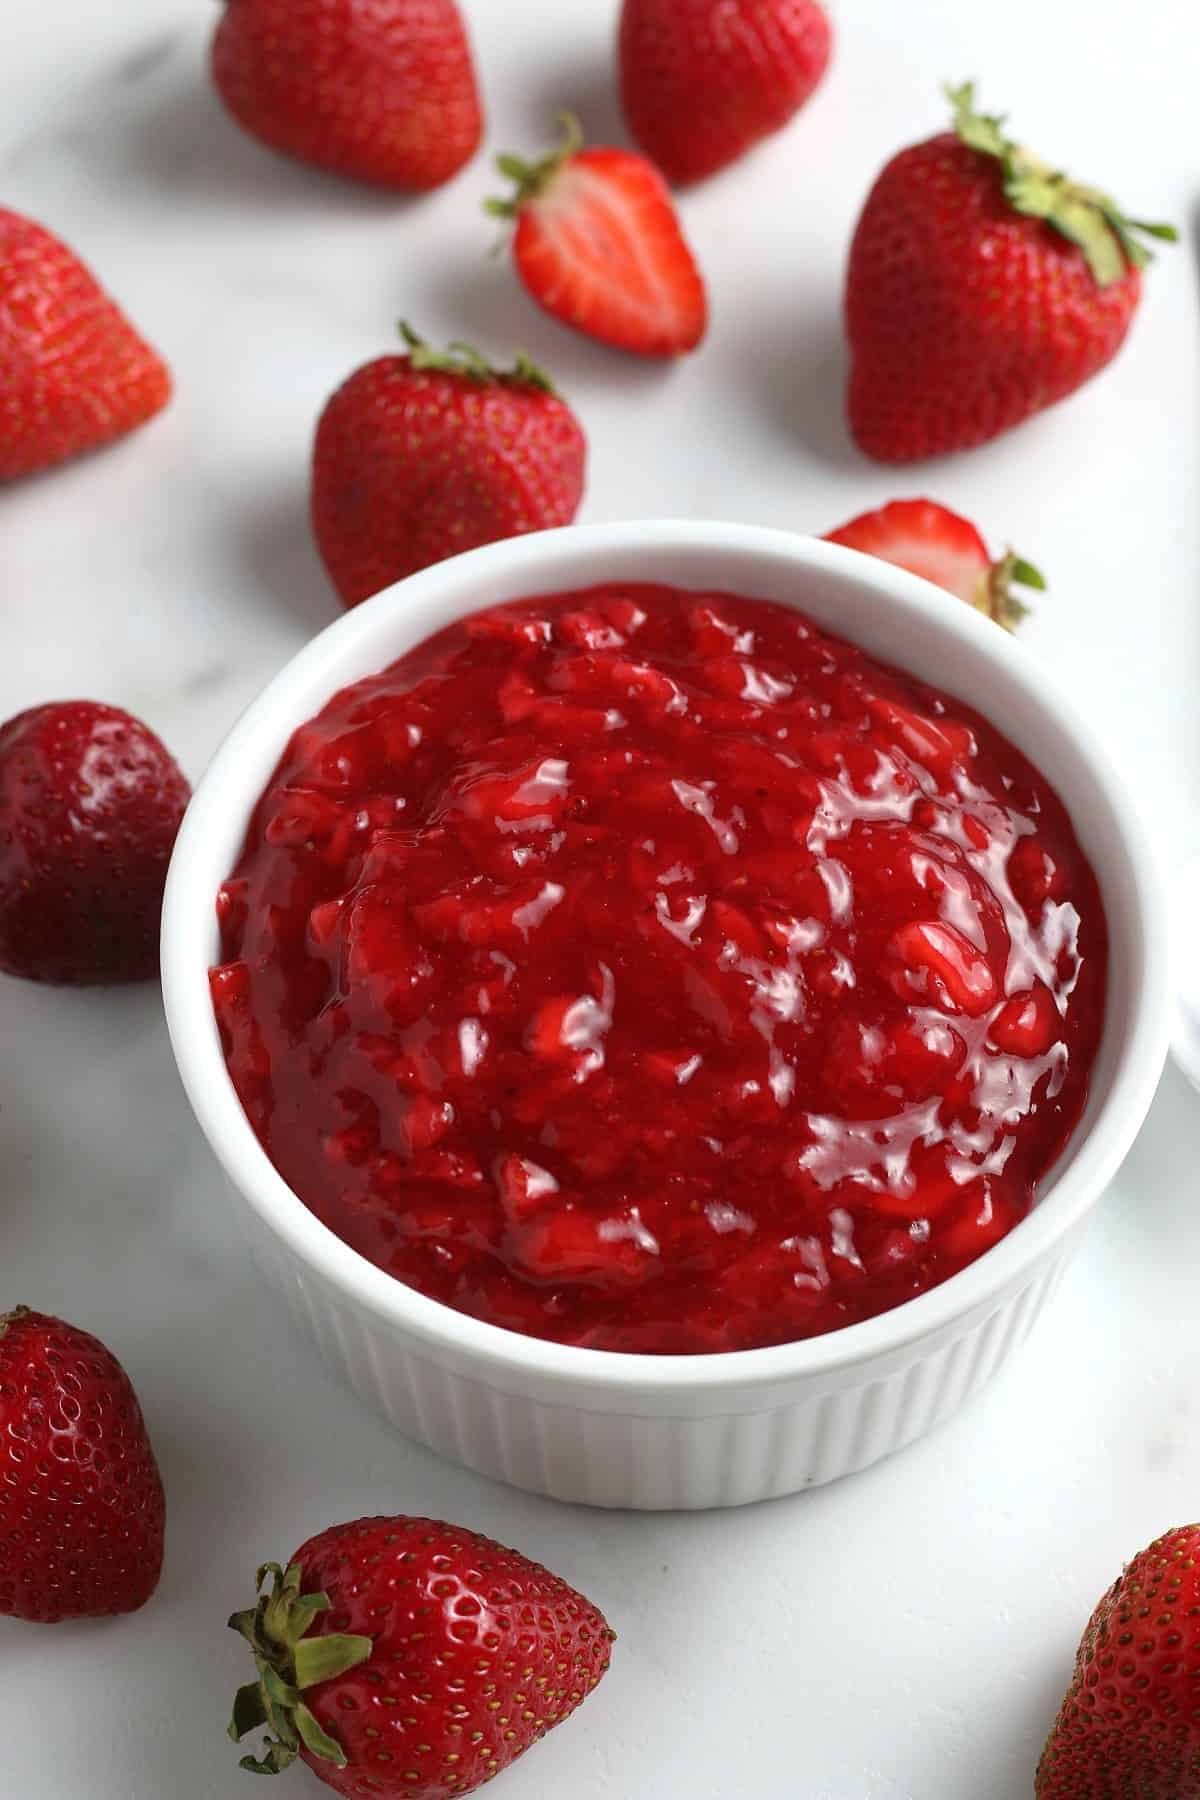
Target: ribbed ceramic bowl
(699,1431)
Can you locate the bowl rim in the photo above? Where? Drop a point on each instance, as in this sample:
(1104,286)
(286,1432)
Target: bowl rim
(188,917)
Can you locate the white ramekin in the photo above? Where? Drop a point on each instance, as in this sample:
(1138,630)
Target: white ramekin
(699,1431)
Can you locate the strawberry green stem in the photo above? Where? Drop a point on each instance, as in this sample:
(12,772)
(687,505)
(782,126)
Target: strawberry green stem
(1107,237)
(996,597)
(287,1663)
(532,178)
(464,359)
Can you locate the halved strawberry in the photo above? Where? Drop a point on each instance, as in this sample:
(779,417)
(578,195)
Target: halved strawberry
(929,540)
(599,246)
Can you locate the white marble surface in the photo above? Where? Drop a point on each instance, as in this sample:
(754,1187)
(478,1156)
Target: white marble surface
(902,1636)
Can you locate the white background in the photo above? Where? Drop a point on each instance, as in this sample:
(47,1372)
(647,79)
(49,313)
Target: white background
(903,1634)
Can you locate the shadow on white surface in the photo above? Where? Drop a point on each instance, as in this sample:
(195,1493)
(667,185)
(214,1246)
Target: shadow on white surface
(153,123)
(792,373)
(579,82)
(273,535)
(1165,1218)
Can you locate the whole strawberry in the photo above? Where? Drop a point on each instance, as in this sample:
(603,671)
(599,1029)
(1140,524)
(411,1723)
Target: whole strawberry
(929,540)
(380,90)
(983,286)
(90,803)
(420,456)
(408,1657)
(81,1500)
(74,374)
(599,246)
(1129,1725)
(703,80)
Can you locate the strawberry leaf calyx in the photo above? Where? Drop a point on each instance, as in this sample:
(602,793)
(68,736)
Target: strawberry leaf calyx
(11,1318)
(995,597)
(1109,239)
(532,178)
(464,359)
(287,1663)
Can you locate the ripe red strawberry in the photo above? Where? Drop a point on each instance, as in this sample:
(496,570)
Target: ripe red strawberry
(420,456)
(74,374)
(90,803)
(929,540)
(408,1657)
(1129,1724)
(599,246)
(703,80)
(982,287)
(81,1500)
(381,90)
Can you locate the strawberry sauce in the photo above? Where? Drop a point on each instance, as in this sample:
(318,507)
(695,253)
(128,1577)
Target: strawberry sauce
(649,970)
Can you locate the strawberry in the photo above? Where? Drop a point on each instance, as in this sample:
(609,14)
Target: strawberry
(703,80)
(1129,1724)
(930,540)
(90,802)
(74,374)
(598,245)
(407,1657)
(982,287)
(420,456)
(81,1500)
(380,90)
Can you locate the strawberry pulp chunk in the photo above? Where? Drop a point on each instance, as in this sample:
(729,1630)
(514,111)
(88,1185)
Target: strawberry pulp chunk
(649,970)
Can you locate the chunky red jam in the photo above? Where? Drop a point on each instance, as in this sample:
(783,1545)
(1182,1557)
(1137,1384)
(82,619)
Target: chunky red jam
(650,970)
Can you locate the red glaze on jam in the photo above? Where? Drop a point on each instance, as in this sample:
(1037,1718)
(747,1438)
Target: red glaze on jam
(650,970)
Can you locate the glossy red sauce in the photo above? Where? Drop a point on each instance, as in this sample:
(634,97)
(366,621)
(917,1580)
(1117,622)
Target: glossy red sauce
(650,970)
